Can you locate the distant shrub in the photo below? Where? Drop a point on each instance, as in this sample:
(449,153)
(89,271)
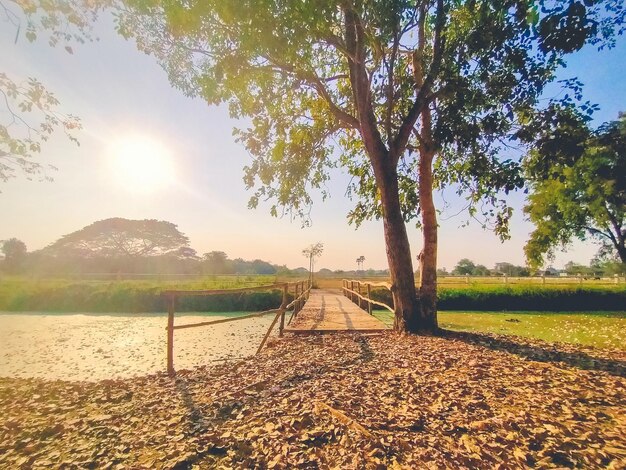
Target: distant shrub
(516,298)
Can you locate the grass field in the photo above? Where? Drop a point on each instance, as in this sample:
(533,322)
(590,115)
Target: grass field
(598,329)
(460,282)
(64,295)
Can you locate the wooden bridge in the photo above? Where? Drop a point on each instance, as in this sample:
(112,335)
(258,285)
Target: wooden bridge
(312,311)
(328,311)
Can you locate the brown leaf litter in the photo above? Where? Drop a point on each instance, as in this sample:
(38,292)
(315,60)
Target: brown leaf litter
(336,401)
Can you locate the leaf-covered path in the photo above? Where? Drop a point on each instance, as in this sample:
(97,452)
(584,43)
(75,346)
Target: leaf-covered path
(342,401)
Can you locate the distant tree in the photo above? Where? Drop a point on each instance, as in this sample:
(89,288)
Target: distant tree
(442,272)
(119,238)
(464,267)
(312,252)
(359,262)
(325,272)
(215,262)
(578,189)
(14,252)
(481,270)
(262,267)
(574,269)
(511,270)
(184,253)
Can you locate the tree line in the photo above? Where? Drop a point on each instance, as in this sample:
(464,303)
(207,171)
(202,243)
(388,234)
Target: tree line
(120,245)
(597,267)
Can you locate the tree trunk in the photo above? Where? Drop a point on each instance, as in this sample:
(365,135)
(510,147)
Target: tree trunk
(428,256)
(407,315)
(621,252)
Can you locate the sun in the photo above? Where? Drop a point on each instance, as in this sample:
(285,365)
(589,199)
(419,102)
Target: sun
(141,164)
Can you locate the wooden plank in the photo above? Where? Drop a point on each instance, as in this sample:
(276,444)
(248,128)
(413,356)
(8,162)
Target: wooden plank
(329,311)
(170,335)
(372,301)
(308,332)
(174,293)
(225,320)
(269,330)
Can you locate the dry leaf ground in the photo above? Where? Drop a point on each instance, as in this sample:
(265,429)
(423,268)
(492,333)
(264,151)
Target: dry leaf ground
(336,401)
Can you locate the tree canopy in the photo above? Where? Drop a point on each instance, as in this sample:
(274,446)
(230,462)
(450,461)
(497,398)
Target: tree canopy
(29,112)
(408,97)
(118,237)
(578,190)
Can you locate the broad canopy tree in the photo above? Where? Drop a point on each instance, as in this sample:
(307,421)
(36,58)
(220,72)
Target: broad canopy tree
(123,238)
(579,189)
(407,96)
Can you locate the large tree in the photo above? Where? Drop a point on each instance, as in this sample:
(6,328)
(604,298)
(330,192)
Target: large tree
(408,96)
(122,238)
(578,188)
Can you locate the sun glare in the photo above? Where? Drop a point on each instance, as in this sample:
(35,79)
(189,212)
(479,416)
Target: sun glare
(141,164)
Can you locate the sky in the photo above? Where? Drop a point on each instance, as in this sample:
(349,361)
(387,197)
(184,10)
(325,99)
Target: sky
(131,115)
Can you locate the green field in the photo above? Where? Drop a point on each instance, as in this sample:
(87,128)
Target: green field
(462,282)
(598,329)
(64,295)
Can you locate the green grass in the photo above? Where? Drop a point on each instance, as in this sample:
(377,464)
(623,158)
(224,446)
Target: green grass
(500,298)
(598,329)
(59,295)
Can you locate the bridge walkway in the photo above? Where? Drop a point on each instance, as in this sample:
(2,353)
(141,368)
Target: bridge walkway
(328,311)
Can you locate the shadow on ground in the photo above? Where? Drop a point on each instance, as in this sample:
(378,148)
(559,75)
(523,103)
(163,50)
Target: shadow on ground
(543,352)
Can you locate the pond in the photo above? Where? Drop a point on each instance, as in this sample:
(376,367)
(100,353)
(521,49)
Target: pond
(105,346)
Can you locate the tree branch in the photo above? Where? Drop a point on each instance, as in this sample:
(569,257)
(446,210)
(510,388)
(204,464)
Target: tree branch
(355,37)
(422,99)
(317,83)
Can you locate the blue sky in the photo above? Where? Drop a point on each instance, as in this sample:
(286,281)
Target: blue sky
(120,93)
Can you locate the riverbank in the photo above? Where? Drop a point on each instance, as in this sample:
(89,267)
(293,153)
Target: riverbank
(336,401)
(97,347)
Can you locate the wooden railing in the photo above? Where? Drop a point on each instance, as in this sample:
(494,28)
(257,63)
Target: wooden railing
(301,293)
(353,289)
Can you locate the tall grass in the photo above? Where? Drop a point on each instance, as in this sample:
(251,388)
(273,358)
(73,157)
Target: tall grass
(132,296)
(526,297)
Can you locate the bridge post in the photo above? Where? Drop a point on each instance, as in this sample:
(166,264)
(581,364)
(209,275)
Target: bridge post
(358,284)
(282,310)
(296,306)
(170,335)
(369,297)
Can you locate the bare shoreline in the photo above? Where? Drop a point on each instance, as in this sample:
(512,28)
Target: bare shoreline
(89,347)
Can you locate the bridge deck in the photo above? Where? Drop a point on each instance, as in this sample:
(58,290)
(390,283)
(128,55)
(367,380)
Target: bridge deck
(329,311)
